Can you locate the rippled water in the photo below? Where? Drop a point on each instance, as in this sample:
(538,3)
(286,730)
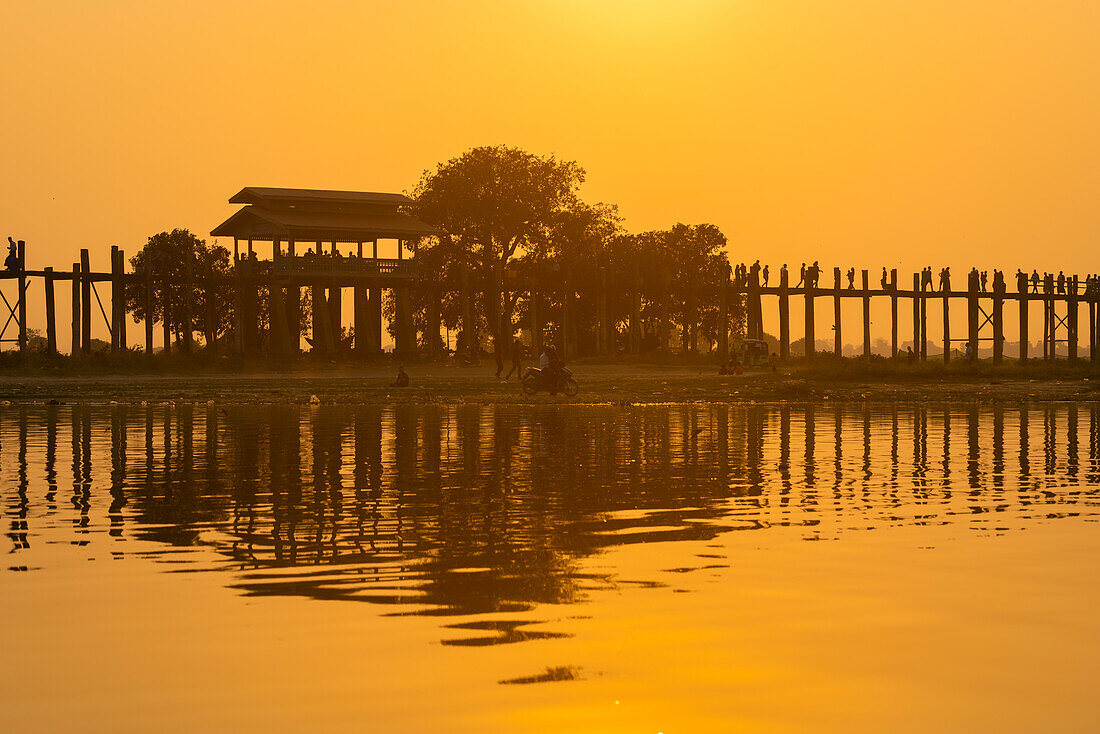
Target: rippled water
(519,568)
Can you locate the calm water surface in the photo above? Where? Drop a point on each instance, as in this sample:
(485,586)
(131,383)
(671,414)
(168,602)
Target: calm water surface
(486,568)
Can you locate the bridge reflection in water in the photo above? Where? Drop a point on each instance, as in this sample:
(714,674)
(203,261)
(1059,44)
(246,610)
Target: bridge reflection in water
(469,509)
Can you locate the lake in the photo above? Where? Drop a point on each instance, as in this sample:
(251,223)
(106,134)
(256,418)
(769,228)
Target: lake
(484,568)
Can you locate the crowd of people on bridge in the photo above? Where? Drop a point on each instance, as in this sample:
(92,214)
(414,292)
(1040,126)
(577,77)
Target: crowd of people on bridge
(1048,283)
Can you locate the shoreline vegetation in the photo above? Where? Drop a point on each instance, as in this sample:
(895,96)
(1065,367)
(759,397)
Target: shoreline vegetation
(134,378)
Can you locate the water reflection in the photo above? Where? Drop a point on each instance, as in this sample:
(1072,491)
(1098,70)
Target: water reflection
(458,510)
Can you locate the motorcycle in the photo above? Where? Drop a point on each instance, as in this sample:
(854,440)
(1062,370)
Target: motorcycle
(534,380)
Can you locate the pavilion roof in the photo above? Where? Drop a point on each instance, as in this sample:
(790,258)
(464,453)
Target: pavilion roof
(312,215)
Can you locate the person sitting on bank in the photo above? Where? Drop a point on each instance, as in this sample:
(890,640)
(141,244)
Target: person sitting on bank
(726,368)
(910,355)
(402,379)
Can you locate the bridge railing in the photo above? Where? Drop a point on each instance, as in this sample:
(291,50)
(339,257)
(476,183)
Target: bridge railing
(326,265)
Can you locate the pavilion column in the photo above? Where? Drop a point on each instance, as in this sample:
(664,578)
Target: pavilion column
(336,313)
(374,320)
(404,346)
(360,304)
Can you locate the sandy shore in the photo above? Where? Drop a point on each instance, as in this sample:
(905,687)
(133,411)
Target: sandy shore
(600,383)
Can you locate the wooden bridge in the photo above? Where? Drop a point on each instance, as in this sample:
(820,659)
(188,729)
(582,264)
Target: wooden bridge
(290,218)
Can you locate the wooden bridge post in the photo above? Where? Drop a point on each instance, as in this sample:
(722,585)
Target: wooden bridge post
(784,316)
(1094,356)
(998,318)
(809,338)
(404,332)
(336,313)
(923,324)
(972,312)
(467,328)
(85,302)
(433,322)
(116,299)
(77,320)
(1050,349)
(755,327)
(838,342)
(238,300)
(359,318)
(1071,317)
(1021,288)
(916,315)
(318,317)
(148,304)
(374,319)
(894,313)
(866,318)
(293,303)
(51,314)
(724,313)
(21,253)
(123,344)
(636,308)
(947,319)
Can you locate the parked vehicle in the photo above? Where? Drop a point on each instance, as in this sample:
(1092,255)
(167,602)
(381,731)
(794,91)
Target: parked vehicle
(535,380)
(751,353)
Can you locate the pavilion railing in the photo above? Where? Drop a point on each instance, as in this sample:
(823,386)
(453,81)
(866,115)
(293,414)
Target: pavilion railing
(327,265)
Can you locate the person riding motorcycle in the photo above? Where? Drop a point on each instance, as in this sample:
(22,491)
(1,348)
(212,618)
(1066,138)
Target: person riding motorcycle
(550,364)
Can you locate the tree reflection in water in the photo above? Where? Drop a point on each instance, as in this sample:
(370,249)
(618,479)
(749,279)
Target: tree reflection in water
(468,509)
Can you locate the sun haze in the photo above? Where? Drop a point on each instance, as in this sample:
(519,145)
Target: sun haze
(858,133)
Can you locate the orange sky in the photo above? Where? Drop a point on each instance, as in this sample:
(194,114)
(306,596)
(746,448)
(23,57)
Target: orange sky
(863,133)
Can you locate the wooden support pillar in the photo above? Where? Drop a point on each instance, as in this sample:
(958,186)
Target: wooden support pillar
(294,304)
(359,316)
(998,318)
(1021,287)
(433,322)
(116,299)
(336,313)
(838,341)
(752,303)
(188,325)
(534,312)
(167,308)
(467,327)
(724,314)
(1050,339)
(374,318)
(916,314)
(85,302)
(1071,317)
(279,335)
(21,253)
(636,309)
(149,304)
(120,328)
(894,313)
(972,287)
(784,315)
(51,314)
(319,316)
(946,319)
(404,335)
(77,316)
(809,348)
(923,325)
(1094,356)
(866,318)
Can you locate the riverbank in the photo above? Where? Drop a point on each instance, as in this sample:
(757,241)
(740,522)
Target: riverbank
(603,382)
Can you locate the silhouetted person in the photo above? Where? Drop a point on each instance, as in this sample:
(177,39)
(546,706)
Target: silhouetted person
(885,279)
(517,359)
(851,278)
(1061,282)
(783,273)
(802,277)
(764,275)
(945,278)
(402,379)
(11,262)
(814,273)
(1034,281)
(910,355)
(985,280)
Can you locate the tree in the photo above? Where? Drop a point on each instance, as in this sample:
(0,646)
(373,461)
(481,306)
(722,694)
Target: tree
(491,204)
(181,261)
